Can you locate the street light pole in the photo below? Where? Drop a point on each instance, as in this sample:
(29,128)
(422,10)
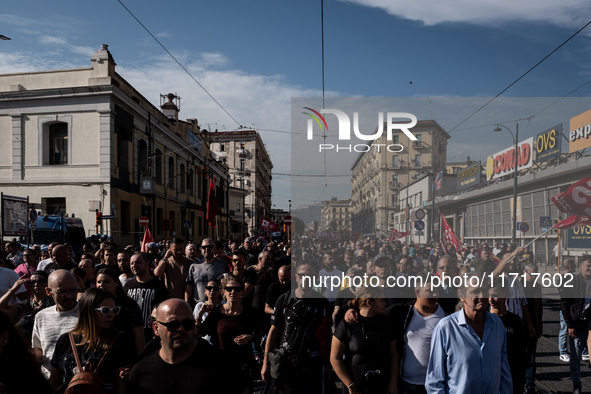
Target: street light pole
(516,153)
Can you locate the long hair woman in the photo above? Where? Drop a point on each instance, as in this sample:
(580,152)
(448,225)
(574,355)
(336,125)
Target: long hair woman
(130,319)
(93,337)
(370,345)
(19,373)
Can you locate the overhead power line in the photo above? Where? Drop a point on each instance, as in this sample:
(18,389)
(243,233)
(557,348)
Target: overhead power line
(518,79)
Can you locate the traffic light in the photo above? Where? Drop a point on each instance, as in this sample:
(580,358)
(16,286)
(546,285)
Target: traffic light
(166,224)
(99,218)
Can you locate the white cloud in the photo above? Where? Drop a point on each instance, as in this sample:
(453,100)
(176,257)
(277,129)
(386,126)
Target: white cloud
(565,13)
(164,34)
(214,59)
(51,40)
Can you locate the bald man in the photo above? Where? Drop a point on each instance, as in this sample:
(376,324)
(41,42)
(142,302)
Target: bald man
(61,260)
(192,364)
(52,322)
(278,288)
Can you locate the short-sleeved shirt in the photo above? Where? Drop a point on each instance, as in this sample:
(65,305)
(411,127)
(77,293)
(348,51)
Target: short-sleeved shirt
(25,271)
(207,370)
(129,317)
(49,268)
(49,326)
(264,279)
(200,273)
(7,279)
(274,291)
(146,295)
(121,354)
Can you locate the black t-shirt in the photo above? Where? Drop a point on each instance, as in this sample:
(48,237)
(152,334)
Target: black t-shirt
(206,370)
(129,317)
(262,282)
(274,291)
(223,329)
(146,295)
(122,354)
(342,302)
(305,323)
(49,268)
(516,340)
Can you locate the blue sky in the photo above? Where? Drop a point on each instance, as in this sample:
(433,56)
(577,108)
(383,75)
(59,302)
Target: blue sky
(254,56)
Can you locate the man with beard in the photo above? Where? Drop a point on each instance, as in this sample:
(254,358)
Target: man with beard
(202,272)
(276,289)
(123,261)
(184,364)
(251,251)
(110,257)
(404,254)
(174,268)
(468,348)
(192,252)
(144,289)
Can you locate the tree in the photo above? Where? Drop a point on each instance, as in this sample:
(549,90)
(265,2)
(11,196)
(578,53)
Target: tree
(299,225)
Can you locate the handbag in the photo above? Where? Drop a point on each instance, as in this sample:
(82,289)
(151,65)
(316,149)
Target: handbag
(88,380)
(279,359)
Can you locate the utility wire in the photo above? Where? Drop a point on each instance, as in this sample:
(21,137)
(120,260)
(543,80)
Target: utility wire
(179,63)
(527,72)
(323,107)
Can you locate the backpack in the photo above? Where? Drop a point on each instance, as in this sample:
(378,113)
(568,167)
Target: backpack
(88,380)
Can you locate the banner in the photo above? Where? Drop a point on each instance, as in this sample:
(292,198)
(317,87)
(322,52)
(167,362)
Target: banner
(469,176)
(15,215)
(266,224)
(548,143)
(396,235)
(576,200)
(449,235)
(147,239)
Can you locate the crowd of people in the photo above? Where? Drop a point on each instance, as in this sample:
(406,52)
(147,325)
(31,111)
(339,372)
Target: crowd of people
(222,316)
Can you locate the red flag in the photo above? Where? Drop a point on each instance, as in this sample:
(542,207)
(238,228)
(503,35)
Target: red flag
(266,224)
(576,200)
(395,235)
(212,206)
(479,249)
(574,221)
(450,236)
(147,239)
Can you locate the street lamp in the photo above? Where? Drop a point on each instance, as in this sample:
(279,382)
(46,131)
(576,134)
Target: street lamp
(516,153)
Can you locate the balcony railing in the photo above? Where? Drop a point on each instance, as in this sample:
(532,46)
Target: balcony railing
(395,185)
(418,145)
(416,164)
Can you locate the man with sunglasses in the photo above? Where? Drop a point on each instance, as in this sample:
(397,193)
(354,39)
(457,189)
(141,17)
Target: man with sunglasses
(239,261)
(184,364)
(202,272)
(174,268)
(54,321)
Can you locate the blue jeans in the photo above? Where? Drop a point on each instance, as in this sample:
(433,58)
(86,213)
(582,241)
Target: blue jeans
(562,336)
(576,350)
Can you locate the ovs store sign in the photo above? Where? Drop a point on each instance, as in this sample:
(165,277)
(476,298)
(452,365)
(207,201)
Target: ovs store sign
(503,162)
(579,238)
(548,143)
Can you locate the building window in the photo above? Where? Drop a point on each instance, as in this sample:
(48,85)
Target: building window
(242,165)
(396,161)
(222,147)
(158,167)
(58,143)
(394,177)
(396,138)
(417,160)
(419,137)
(237,207)
(123,150)
(142,158)
(190,177)
(170,172)
(394,199)
(182,177)
(54,206)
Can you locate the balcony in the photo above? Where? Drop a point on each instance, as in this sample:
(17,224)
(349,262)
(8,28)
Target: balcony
(416,164)
(442,148)
(395,185)
(242,152)
(243,171)
(394,166)
(418,145)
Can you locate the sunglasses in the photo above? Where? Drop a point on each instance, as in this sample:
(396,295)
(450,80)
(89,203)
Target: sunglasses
(237,289)
(210,288)
(237,260)
(207,247)
(28,254)
(105,310)
(34,282)
(188,324)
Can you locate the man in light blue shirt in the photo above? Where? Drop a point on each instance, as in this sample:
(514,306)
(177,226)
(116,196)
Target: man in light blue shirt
(469,348)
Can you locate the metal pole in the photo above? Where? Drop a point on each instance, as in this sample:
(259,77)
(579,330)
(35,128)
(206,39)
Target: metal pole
(514,237)
(433,210)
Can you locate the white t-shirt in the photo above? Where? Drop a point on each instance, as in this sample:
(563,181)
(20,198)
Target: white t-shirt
(124,281)
(496,251)
(331,293)
(49,326)
(418,346)
(43,264)
(555,251)
(7,279)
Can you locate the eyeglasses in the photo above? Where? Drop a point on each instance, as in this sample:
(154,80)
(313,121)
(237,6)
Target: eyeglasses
(207,247)
(237,260)
(34,282)
(106,311)
(210,288)
(237,289)
(188,324)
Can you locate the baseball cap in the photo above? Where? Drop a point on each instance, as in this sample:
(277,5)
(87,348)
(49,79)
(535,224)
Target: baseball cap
(153,245)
